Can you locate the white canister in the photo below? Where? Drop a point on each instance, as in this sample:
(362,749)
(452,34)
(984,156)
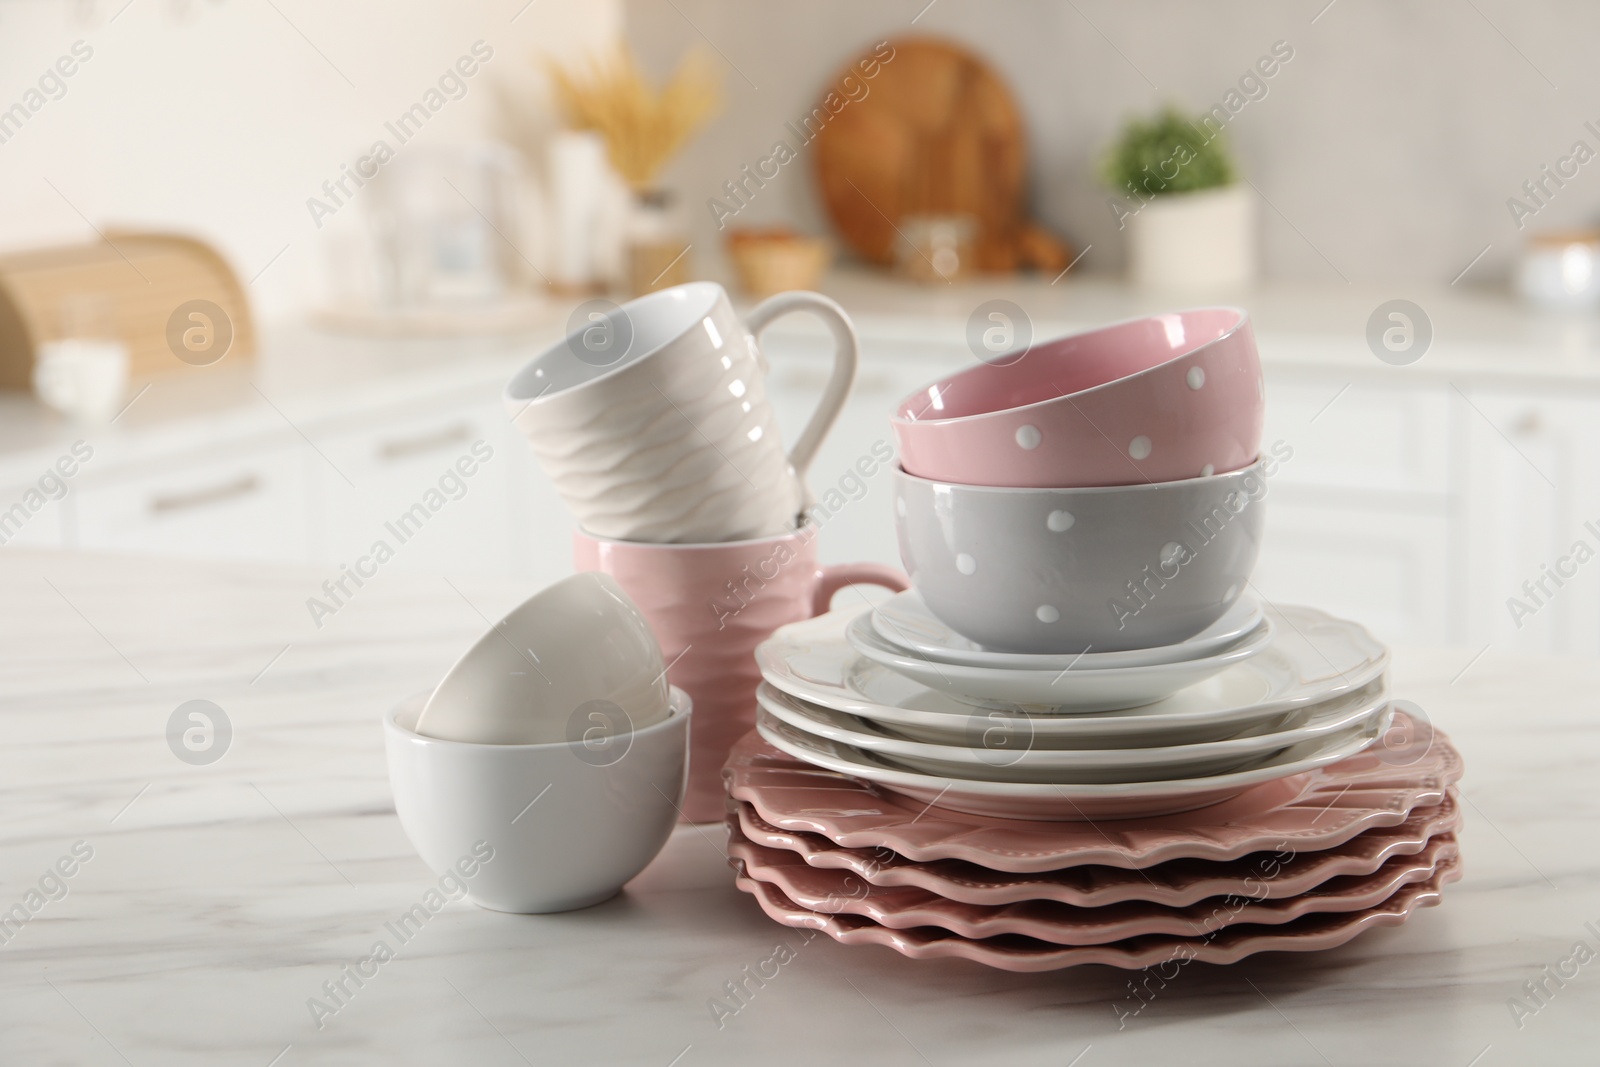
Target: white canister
(1204,240)
(578,196)
(82,377)
(1561,269)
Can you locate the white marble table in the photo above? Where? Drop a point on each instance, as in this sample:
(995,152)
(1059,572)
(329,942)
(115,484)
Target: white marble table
(219,899)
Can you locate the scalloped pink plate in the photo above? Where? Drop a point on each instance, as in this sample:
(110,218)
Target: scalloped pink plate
(1013,952)
(1320,809)
(1266,875)
(905,908)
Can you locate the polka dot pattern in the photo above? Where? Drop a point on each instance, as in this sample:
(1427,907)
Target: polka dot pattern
(1139,447)
(1028,437)
(1196,377)
(1046,613)
(965,563)
(1059,521)
(1208,470)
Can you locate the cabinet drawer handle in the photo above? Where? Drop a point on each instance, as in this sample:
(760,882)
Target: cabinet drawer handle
(243,485)
(425,442)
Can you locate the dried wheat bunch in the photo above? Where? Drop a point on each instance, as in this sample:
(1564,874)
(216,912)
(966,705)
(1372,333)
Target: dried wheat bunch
(643,127)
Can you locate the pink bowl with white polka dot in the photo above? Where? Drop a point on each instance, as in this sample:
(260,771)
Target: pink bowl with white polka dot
(1156,399)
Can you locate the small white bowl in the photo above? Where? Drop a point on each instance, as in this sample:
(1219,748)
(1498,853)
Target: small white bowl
(541,828)
(577,648)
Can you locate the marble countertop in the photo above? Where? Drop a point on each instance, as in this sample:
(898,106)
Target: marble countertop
(207,905)
(301,374)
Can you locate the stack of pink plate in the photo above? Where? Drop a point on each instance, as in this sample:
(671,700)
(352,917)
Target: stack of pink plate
(1294,864)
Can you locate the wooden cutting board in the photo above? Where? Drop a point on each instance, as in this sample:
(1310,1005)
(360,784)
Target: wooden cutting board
(937,133)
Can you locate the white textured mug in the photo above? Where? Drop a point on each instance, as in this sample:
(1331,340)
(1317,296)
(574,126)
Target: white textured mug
(653,422)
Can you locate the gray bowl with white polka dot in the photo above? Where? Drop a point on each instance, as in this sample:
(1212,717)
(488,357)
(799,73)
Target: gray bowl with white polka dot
(1099,569)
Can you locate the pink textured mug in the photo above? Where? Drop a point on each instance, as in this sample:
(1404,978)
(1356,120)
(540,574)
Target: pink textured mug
(710,605)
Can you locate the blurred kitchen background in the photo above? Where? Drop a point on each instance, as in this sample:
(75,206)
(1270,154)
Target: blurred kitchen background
(249,332)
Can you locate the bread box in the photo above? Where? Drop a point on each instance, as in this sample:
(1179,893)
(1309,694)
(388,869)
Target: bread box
(129,287)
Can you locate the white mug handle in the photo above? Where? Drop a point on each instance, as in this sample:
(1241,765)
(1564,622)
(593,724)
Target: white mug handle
(839,382)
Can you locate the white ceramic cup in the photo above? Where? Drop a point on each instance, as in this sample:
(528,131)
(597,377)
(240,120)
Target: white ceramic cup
(573,659)
(81,377)
(653,422)
(547,827)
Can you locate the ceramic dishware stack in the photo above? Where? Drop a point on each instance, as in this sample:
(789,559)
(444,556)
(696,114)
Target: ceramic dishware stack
(1081,736)
(653,422)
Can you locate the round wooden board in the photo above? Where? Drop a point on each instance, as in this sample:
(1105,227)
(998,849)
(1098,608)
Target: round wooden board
(937,133)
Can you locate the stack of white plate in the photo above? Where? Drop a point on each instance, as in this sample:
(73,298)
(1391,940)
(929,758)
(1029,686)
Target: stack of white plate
(893,696)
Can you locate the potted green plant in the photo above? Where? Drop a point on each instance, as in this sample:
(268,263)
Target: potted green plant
(1190,222)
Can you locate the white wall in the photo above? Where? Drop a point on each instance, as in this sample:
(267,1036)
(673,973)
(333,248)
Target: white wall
(1387,147)
(221,117)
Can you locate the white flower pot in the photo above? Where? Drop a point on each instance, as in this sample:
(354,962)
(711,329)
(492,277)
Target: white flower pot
(1203,240)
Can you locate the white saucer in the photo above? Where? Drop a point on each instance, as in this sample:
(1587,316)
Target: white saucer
(1312,656)
(905,622)
(1066,691)
(1000,748)
(1066,803)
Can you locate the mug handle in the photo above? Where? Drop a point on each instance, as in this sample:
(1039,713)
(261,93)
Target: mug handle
(845,348)
(832,578)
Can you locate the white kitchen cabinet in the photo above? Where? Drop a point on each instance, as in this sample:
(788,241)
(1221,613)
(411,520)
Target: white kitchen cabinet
(1373,438)
(505,519)
(25,528)
(850,461)
(328,496)
(1391,572)
(431,484)
(245,502)
(541,525)
(1360,517)
(1533,582)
